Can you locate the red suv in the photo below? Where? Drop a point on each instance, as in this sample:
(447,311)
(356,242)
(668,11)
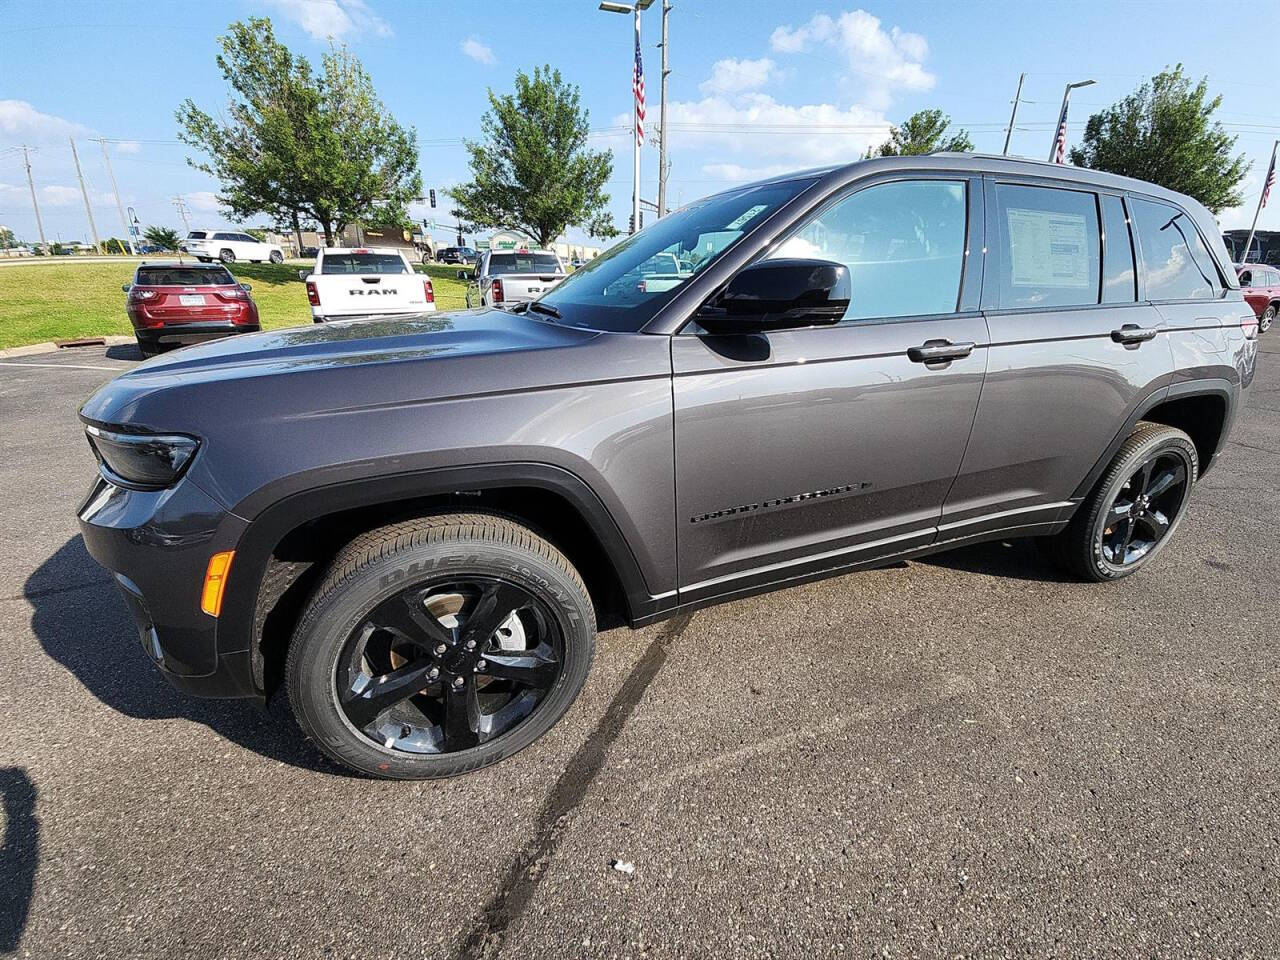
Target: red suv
(177,303)
(1260,284)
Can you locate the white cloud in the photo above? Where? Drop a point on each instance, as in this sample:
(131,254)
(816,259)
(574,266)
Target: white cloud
(203,200)
(477,51)
(128,146)
(733,76)
(56,195)
(322,19)
(19,120)
(736,171)
(880,62)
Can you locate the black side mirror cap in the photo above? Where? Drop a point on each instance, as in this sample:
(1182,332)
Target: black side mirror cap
(124,287)
(778,295)
(245,287)
(303,274)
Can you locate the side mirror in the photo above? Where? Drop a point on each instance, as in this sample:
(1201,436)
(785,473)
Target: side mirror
(777,295)
(245,287)
(303,274)
(464,275)
(124,287)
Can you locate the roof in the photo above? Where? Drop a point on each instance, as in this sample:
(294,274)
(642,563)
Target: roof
(182,264)
(393,251)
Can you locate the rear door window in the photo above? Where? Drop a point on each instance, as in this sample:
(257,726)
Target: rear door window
(1050,249)
(363,263)
(183,277)
(1176,264)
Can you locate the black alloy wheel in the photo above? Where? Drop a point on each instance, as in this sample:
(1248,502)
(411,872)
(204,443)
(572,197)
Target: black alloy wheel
(448,666)
(1144,509)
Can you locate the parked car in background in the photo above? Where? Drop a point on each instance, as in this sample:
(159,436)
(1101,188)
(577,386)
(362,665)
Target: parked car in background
(230,246)
(415,525)
(1261,286)
(309,253)
(577,262)
(170,304)
(504,278)
(347,283)
(456,255)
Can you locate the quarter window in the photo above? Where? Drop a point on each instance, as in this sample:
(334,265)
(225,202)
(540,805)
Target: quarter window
(1119,280)
(903,243)
(1176,265)
(1049,247)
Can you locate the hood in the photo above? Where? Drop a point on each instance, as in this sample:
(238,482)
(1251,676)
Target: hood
(333,365)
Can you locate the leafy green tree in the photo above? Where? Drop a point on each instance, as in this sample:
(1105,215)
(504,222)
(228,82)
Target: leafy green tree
(299,144)
(162,237)
(925,131)
(532,170)
(56,249)
(1164,132)
(7,239)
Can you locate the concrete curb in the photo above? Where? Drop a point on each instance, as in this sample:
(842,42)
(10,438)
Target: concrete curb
(50,347)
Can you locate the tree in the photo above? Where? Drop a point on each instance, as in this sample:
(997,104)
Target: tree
(162,237)
(532,170)
(299,144)
(1163,132)
(923,132)
(7,240)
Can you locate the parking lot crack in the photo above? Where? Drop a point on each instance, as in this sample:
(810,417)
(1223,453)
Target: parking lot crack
(515,893)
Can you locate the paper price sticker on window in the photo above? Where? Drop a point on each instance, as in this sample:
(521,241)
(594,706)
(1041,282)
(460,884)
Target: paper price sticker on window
(1047,249)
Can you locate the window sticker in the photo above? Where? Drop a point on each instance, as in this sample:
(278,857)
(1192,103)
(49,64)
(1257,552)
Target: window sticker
(746,215)
(1048,249)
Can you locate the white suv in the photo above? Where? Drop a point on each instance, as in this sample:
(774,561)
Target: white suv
(229,246)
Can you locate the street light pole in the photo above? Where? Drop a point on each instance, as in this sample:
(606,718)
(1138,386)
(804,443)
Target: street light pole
(1062,116)
(1258,209)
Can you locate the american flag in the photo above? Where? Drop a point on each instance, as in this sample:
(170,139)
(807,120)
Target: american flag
(1060,142)
(1271,179)
(637,86)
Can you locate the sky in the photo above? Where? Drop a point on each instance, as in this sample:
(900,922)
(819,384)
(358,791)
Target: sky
(756,87)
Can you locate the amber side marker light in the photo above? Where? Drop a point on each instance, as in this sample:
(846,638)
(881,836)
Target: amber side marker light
(215,582)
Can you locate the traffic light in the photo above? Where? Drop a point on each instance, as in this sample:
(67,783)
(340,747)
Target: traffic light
(432,195)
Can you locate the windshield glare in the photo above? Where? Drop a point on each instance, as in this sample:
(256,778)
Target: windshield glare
(624,287)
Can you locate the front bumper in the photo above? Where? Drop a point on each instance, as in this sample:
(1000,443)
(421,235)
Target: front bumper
(157,544)
(187,333)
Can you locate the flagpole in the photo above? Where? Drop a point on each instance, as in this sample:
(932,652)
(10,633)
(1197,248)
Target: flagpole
(1062,117)
(635,140)
(1253,229)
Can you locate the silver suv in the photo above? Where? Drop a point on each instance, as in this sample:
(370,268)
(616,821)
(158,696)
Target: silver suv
(415,526)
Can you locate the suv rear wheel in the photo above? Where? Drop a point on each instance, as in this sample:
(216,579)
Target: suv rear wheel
(438,646)
(1134,509)
(276,257)
(227,256)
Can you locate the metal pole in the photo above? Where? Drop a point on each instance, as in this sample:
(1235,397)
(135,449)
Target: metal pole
(662,118)
(116,191)
(1013,116)
(93,227)
(635,141)
(1253,228)
(1053,147)
(35,206)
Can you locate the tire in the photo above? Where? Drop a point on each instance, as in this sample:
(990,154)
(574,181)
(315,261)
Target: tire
(276,257)
(331,669)
(227,256)
(204,259)
(148,349)
(1096,544)
(1268,315)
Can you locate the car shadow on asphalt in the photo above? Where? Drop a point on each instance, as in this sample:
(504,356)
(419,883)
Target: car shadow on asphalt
(124,351)
(1019,559)
(19,855)
(81,622)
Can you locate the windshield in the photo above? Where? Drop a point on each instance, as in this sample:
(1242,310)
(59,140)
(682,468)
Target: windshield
(183,276)
(623,288)
(500,263)
(363,263)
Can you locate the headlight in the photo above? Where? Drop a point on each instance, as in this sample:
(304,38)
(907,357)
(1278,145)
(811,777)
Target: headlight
(143,460)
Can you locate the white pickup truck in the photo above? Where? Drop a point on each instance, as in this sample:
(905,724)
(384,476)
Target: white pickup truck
(506,277)
(349,283)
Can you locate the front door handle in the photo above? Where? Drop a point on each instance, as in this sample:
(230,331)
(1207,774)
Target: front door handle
(939,351)
(1132,333)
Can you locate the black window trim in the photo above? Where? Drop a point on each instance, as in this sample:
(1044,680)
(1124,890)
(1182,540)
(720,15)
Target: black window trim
(970,282)
(1133,250)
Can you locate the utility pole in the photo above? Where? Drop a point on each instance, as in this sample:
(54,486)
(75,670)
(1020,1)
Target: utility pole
(662,117)
(181,206)
(93,227)
(116,192)
(35,206)
(1017,98)
(1262,198)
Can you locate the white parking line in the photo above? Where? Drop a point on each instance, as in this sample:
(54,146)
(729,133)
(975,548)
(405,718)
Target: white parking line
(60,366)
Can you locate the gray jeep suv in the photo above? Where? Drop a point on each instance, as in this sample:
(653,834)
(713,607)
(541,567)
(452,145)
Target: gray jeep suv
(415,527)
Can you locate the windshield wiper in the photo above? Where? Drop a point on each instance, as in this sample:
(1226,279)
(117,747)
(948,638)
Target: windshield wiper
(546,308)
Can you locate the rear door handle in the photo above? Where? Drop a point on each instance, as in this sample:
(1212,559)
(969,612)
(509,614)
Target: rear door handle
(939,351)
(1132,333)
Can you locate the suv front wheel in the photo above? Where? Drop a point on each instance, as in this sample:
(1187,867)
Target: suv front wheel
(438,646)
(1134,508)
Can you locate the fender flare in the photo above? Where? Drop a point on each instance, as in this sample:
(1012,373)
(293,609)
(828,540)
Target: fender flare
(1209,387)
(269,526)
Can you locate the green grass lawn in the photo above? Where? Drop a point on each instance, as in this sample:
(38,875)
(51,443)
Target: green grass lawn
(59,301)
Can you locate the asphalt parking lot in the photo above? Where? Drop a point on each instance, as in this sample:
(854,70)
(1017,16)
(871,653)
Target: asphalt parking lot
(959,756)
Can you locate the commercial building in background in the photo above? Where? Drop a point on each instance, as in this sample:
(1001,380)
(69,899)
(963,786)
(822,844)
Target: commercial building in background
(1265,249)
(514,240)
